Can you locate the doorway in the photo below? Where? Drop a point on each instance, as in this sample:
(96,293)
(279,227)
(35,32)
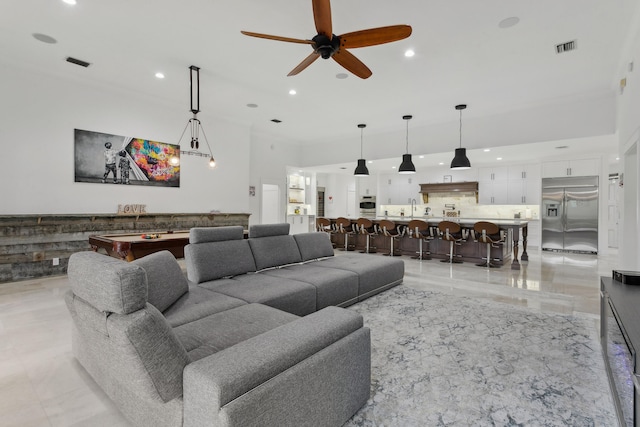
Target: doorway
(270,209)
(320,202)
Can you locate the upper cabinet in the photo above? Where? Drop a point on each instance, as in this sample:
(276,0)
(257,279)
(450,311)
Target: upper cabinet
(398,189)
(492,185)
(562,168)
(367,185)
(509,185)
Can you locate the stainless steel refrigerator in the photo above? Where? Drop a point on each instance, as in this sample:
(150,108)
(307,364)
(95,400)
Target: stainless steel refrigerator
(570,214)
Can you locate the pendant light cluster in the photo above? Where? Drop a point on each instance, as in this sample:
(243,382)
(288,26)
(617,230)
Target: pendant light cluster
(361,169)
(407,166)
(460,160)
(194,123)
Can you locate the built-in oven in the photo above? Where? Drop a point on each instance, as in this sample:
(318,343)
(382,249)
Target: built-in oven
(620,359)
(368,206)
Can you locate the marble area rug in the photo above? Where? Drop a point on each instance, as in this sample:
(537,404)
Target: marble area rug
(443,360)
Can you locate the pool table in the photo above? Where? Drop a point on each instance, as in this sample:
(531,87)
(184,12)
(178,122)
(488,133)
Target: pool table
(134,245)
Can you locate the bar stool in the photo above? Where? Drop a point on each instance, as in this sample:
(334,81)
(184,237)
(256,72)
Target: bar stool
(343,226)
(323,224)
(365,226)
(489,233)
(389,229)
(451,232)
(419,229)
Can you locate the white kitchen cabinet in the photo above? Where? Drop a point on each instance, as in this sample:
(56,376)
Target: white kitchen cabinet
(398,190)
(534,238)
(561,168)
(493,186)
(367,185)
(299,223)
(524,185)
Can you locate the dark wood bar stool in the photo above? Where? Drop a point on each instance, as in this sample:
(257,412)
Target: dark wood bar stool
(365,227)
(419,229)
(343,226)
(389,229)
(324,225)
(451,232)
(489,233)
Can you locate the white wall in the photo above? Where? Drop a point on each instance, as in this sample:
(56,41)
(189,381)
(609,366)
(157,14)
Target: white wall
(629,132)
(38,114)
(269,158)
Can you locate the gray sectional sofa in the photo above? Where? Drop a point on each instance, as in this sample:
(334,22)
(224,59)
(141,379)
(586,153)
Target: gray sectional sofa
(253,338)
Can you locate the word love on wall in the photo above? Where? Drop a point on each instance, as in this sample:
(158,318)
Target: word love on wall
(132,209)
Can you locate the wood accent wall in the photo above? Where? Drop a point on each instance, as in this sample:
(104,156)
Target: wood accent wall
(449,187)
(29,243)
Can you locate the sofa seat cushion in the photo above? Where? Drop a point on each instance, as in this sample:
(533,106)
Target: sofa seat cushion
(166,282)
(333,286)
(375,272)
(199,303)
(216,332)
(291,296)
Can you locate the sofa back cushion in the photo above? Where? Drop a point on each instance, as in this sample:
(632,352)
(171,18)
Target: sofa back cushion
(215,234)
(107,283)
(272,246)
(268,230)
(314,245)
(214,260)
(165,281)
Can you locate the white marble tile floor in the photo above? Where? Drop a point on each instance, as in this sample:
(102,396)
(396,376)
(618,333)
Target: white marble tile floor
(41,384)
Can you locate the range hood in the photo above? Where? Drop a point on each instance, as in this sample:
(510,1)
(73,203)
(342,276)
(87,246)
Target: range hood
(449,187)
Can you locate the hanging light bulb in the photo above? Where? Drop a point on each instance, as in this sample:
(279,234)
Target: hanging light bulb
(460,160)
(407,165)
(361,169)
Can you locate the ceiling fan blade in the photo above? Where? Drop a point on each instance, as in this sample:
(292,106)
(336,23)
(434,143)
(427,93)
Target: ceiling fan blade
(322,17)
(304,64)
(351,63)
(374,36)
(278,38)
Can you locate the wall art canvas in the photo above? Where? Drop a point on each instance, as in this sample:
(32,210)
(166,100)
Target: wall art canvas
(113,159)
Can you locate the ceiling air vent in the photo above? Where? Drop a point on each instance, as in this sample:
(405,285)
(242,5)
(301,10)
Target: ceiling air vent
(566,47)
(78,62)
(276,121)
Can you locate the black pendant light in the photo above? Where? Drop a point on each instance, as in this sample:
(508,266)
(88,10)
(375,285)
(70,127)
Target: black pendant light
(460,160)
(407,165)
(361,169)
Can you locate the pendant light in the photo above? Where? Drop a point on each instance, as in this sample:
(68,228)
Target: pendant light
(460,160)
(407,165)
(361,169)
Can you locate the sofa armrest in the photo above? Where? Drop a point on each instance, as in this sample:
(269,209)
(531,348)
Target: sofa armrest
(230,387)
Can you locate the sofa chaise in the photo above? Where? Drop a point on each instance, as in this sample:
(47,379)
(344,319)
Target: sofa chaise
(248,341)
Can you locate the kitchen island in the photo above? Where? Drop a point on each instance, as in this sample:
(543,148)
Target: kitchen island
(470,251)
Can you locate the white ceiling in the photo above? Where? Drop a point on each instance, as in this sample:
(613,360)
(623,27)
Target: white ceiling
(462,56)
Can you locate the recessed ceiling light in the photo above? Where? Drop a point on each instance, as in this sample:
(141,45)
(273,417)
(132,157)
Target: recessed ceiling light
(498,158)
(370,161)
(292,92)
(393,167)
(486,150)
(160,75)
(71,2)
(617,158)
(342,76)
(509,22)
(421,157)
(252,105)
(44,38)
(409,53)
(441,163)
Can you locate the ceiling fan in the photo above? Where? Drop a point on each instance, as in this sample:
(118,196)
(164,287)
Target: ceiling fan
(328,45)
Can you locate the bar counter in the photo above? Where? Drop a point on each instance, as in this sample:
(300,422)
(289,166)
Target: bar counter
(471,251)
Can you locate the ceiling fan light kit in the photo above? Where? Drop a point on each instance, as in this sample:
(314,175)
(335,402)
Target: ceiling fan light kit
(460,160)
(327,45)
(407,166)
(361,169)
